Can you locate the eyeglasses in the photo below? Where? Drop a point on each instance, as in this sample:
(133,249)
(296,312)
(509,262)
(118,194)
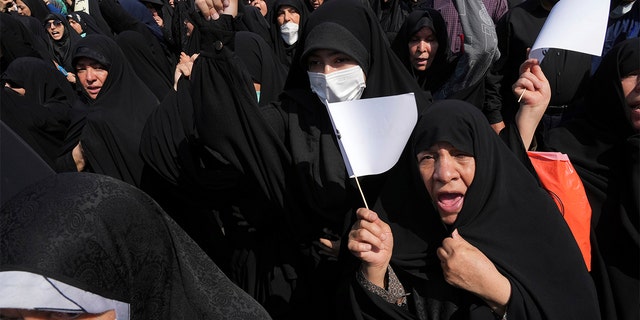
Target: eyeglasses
(56,23)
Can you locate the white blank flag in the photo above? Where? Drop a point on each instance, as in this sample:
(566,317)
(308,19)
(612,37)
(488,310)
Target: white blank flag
(575,25)
(373,132)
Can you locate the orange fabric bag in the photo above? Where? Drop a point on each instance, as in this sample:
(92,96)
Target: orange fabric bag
(562,182)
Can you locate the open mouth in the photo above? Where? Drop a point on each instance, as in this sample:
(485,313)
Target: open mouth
(450,202)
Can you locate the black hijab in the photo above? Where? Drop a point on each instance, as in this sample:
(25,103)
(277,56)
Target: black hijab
(38,8)
(16,40)
(103,236)
(21,163)
(439,71)
(150,63)
(525,237)
(62,49)
(263,66)
(44,111)
(112,123)
(88,23)
(603,148)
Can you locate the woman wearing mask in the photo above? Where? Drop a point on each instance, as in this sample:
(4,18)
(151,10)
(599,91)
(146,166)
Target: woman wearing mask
(286,153)
(287,20)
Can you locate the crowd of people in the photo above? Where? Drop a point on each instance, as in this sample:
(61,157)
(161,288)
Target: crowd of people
(175,159)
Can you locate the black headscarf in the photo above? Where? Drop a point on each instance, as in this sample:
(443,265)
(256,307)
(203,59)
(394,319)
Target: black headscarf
(43,83)
(603,148)
(62,49)
(16,40)
(43,112)
(263,66)
(149,63)
(112,124)
(524,236)
(101,235)
(38,8)
(21,163)
(88,23)
(440,69)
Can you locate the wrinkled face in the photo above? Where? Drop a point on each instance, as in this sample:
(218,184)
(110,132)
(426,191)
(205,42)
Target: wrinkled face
(260,4)
(55,28)
(447,173)
(286,14)
(316,3)
(631,90)
(92,75)
(75,25)
(23,9)
(327,61)
(48,315)
(423,46)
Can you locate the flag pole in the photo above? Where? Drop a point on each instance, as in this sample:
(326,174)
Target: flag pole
(361,193)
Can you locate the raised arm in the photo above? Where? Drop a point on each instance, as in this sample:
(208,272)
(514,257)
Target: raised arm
(534,94)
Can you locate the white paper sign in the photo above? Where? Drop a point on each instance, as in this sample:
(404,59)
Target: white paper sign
(575,25)
(373,132)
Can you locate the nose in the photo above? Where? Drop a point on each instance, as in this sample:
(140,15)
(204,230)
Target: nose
(422,46)
(328,68)
(287,16)
(445,169)
(90,74)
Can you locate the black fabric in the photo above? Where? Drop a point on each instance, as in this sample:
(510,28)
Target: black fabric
(603,148)
(43,83)
(44,111)
(391,15)
(255,22)
(134,16)
(149,62)
(525,237)
(62,49)
(21,164)
(40,34)
(106,237)
(261,63)
(17,41)
(109,127)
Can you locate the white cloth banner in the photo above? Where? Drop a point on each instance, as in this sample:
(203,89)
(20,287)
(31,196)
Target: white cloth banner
(373,132)
(575,25)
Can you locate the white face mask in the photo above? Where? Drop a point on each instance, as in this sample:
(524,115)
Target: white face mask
(289,32)
(343,85)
